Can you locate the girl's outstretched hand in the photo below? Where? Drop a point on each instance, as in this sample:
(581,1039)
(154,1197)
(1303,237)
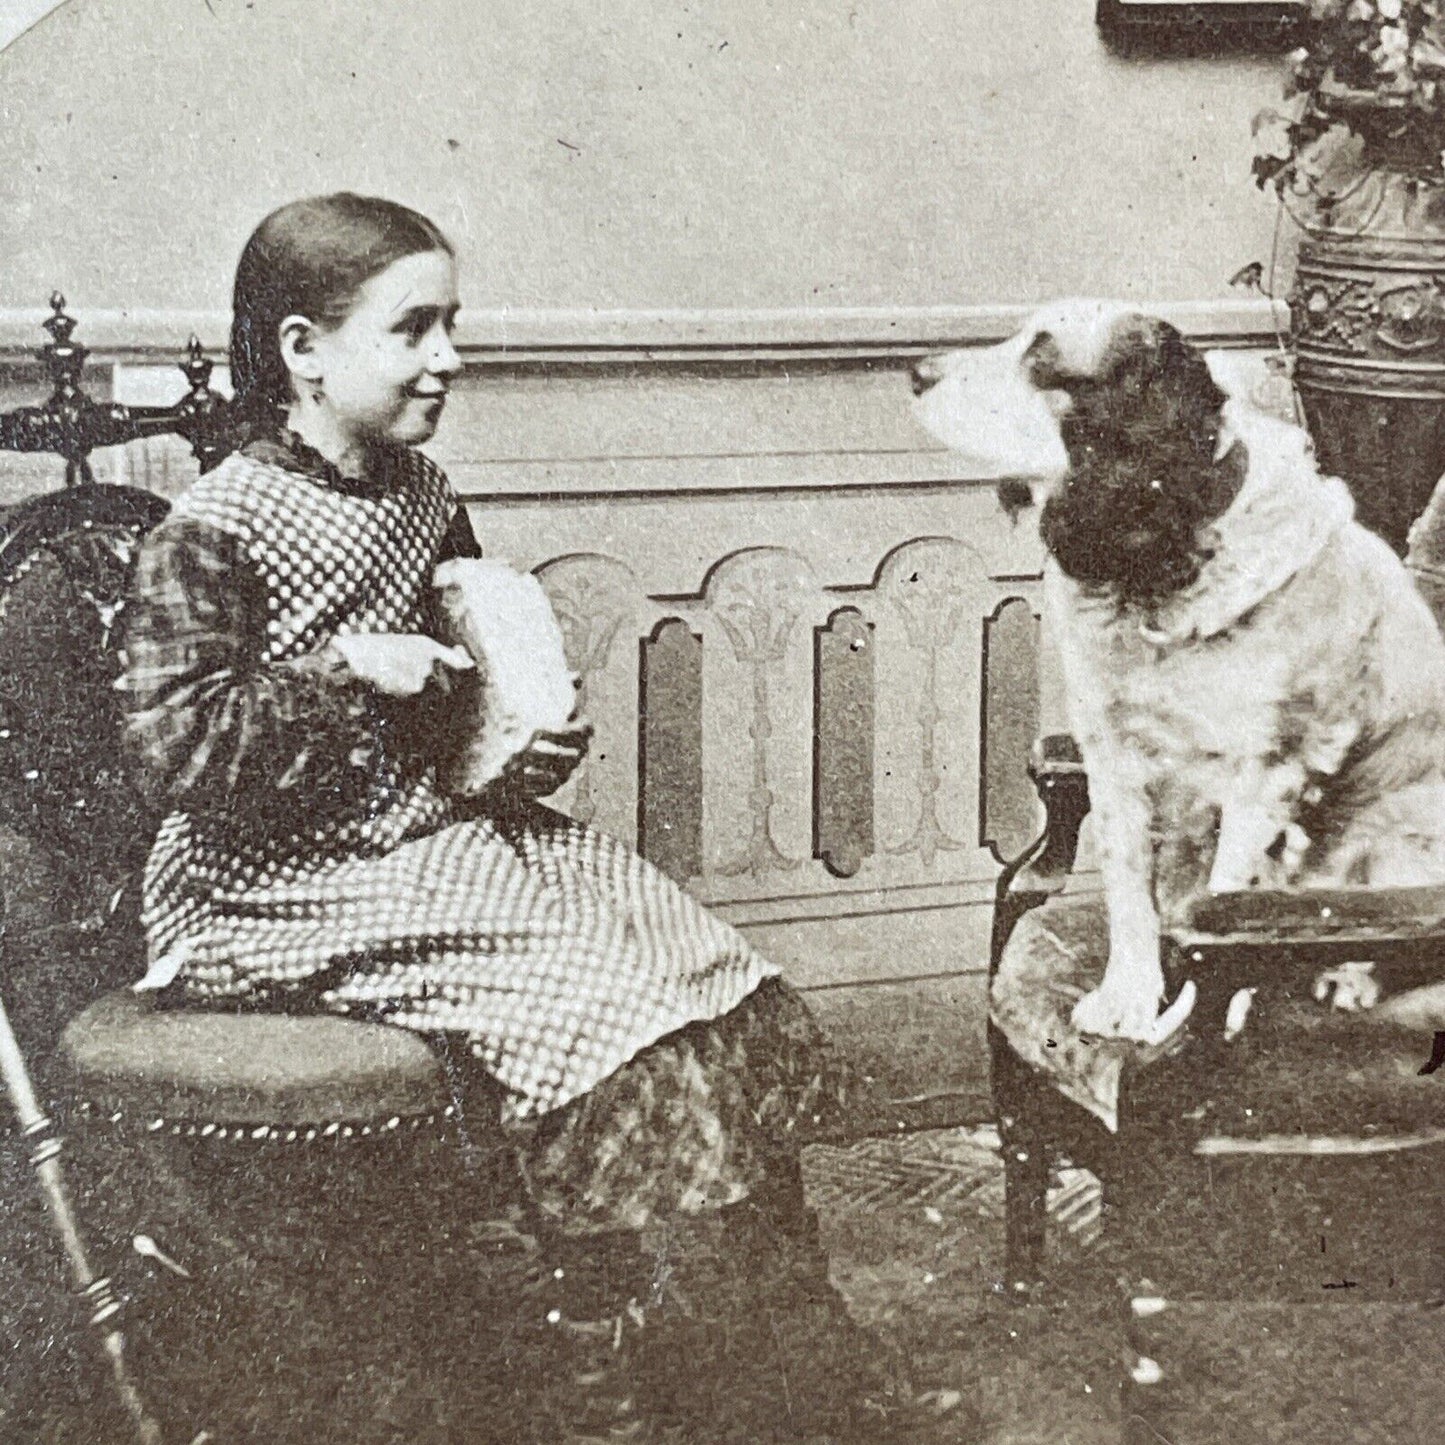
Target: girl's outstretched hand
(547,761)
(399,664)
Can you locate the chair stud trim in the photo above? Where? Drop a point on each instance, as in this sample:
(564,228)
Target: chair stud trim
(259,1133)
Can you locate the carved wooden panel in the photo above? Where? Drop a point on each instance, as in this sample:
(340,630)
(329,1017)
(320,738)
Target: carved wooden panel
(843,712)
(670,775)
(777,735)
(757,606)
(599,603)
(930,600)
(1008,811)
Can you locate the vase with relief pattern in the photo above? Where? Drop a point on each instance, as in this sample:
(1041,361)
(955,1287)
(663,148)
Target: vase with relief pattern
(1367,313)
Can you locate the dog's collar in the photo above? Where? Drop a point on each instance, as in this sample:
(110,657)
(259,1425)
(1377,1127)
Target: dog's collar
(1284,515)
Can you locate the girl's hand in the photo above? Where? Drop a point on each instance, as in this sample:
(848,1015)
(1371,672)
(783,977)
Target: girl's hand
(546,762)
(399,664)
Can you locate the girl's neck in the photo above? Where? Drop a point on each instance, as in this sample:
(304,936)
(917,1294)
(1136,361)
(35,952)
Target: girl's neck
(315,424)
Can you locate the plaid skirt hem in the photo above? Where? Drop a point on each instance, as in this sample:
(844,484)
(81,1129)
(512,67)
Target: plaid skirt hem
(697,1121)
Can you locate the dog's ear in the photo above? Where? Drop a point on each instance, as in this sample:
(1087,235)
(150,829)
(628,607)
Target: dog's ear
(1043,364)
(1141,435)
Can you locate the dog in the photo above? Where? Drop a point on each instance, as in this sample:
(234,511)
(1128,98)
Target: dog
(1256,685)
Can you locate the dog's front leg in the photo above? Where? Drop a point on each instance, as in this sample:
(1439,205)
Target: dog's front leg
(1126,1003)
(1259,840)
(1260,843)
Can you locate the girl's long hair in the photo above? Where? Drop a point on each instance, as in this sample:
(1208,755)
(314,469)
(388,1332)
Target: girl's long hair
(309,258)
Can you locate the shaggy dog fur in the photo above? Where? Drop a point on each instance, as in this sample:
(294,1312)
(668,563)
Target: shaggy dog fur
(1256,686)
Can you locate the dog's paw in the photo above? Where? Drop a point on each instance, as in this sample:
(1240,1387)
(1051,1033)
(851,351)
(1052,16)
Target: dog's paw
(1348,988)
(1130,1011)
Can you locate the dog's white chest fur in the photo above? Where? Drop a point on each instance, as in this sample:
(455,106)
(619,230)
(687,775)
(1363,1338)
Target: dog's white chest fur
(1216,701)
(1182,725)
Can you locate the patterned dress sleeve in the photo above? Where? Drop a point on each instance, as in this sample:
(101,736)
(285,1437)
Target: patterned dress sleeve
(218,728)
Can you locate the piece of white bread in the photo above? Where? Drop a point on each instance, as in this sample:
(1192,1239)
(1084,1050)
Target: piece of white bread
(503,618)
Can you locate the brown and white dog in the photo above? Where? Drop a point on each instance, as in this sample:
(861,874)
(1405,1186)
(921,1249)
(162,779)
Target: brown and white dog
(1256,686)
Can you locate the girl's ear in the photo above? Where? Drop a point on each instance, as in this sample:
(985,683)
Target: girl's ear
(298,348)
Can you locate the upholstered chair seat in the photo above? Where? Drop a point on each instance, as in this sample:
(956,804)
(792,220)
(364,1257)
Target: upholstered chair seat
(1297,1074)
(249,1077)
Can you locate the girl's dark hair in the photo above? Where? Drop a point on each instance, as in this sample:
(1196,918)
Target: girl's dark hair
(310,258)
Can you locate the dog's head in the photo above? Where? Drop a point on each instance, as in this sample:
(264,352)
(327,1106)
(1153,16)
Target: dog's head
(1117,417)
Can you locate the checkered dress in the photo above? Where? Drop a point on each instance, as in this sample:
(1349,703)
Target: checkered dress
(309,859)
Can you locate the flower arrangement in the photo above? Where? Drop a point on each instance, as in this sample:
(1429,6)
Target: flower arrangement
(1371,70)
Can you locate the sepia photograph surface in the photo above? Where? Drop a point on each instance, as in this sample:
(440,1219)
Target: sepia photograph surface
(722,722)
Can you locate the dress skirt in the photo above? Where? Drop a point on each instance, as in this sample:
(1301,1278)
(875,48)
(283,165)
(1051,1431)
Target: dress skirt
(643,1060)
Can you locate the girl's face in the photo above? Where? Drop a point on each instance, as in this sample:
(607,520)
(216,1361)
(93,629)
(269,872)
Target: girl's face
(385,370)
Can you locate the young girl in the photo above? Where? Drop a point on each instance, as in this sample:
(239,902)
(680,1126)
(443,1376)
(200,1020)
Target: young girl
(285,691)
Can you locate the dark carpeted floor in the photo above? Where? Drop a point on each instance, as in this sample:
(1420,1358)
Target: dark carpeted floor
(913,1228)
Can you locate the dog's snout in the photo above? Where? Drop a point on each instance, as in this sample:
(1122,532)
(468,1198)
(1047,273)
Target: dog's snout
(926,373)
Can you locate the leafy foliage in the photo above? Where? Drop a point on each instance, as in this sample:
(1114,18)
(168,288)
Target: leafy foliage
(1370,69)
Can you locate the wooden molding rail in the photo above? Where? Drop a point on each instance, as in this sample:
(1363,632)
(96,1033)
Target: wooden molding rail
(511,337)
